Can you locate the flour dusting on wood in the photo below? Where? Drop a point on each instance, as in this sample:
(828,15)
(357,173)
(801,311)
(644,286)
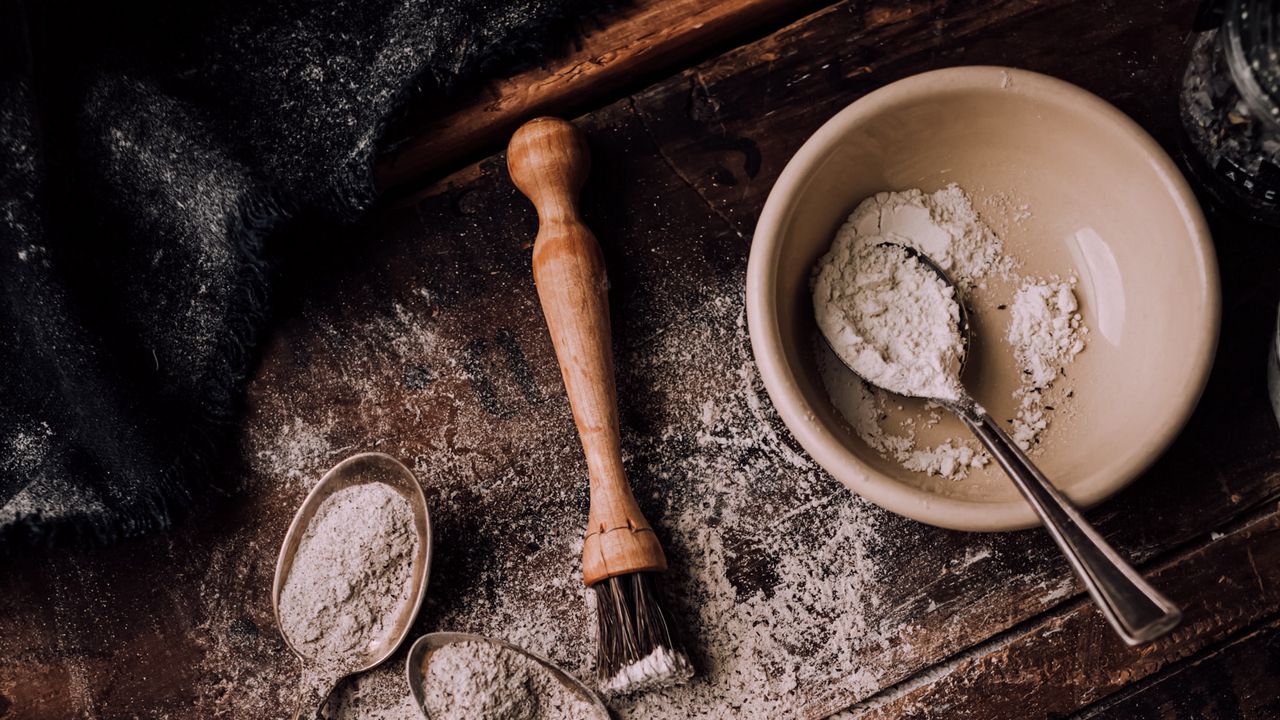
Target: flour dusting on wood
(793,593)
(774,575)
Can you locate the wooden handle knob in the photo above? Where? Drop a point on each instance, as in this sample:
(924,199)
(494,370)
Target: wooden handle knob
(549,162)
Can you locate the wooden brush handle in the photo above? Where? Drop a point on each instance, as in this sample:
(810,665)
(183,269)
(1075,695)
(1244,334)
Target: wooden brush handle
(549,162)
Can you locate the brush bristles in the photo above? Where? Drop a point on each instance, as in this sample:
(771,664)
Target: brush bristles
(634,646)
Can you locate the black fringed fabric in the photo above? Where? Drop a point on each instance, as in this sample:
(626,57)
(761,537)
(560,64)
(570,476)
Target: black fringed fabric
(148,153)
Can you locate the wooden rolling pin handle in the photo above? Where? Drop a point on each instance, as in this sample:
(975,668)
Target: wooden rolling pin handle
(548,161)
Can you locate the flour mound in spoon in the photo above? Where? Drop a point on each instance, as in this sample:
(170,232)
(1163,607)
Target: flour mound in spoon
(351,575)
(890,318)
(482,681)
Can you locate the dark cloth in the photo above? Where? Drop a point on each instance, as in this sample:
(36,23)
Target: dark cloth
(148,152)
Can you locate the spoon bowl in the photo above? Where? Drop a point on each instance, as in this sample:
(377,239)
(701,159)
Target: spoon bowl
(423,647)
(318,683)
(962,324)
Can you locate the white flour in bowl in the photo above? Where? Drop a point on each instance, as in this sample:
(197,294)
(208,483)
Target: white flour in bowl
(483,681)
(1046,332)
(351,576)
(890,318)
(895,317)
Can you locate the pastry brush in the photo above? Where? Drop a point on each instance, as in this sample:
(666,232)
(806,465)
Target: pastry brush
(622,557)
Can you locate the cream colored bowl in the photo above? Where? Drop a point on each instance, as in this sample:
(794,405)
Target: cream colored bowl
(1073,186)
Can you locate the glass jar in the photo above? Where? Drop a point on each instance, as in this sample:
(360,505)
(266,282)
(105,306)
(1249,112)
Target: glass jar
(1230,105)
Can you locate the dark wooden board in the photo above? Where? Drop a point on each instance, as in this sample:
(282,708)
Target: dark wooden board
(729,126)
(1238,679)
(624,46)
(1071,659)
(421,337)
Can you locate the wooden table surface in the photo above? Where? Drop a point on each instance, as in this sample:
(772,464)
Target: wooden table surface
(418,334)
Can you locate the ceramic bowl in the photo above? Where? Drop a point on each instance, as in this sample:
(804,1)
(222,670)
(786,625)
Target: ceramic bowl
(1073,187)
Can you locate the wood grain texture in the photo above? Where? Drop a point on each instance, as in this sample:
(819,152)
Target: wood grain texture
(1070,659)
(636,41)
(727,128)
(548,161)
(1238,679)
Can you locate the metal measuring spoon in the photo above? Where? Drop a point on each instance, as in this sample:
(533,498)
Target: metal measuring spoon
(423,647)
(319,681)
(1136,611)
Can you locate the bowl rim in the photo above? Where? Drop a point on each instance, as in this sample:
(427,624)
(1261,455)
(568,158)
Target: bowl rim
(780,379)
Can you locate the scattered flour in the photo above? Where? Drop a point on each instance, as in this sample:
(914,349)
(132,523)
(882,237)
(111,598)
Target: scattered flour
(483,681)
(792,593)
(864,408)
(787,589)
(776,583)
(25,450)
(303,451)
(351,575)
(779,567)
(879,314)
(890,318)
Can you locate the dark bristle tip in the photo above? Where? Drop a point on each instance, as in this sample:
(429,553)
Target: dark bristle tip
(631,622)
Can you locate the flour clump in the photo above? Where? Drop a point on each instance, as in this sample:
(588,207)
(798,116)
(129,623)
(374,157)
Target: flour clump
(474,680)
(1046,332)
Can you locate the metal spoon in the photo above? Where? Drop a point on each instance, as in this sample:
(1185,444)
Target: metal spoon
(318,682)
(423,647)
(1136,611)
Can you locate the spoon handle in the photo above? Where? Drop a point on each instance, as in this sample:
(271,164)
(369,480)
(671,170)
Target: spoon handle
(313,692)
(1137,611)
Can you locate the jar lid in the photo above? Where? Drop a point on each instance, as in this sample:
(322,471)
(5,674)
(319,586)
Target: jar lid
(1252,47)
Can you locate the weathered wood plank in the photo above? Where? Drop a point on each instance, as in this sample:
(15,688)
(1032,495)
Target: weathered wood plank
(1240,679)
(730,124)
(939,603)
(632,43)
(424,340)
(1072,659)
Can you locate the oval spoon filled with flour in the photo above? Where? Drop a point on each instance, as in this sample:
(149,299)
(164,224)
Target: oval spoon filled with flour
(352,572)
(458,676)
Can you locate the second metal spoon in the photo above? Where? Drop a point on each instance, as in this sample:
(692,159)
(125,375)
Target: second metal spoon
(420,657)
(1137,611)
